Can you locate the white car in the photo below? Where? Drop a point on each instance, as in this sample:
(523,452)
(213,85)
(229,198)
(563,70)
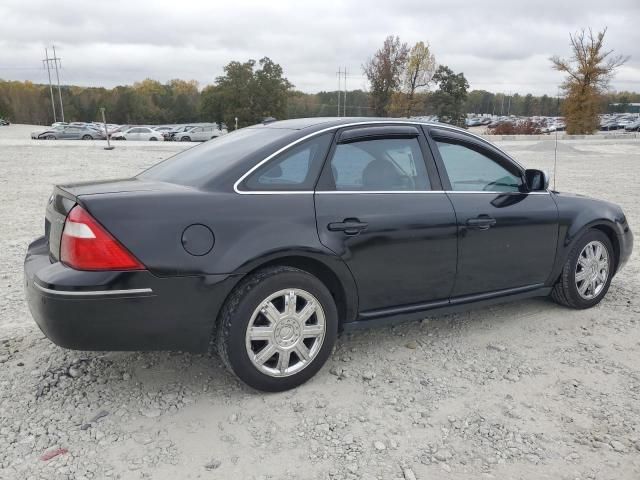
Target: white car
(200,133)
(139,133)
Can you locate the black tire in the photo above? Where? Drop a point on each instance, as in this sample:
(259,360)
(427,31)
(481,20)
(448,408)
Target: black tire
(565,292)
(87,137)
(50,137)
(153,139)
(236,313)
(185,139)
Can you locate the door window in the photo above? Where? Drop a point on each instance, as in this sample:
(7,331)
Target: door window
(296,169)
(385,164)
(470,170)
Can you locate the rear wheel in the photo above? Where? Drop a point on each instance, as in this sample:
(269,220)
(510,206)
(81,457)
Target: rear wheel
(277,328)
(153,139)
(587,273)
(87,137)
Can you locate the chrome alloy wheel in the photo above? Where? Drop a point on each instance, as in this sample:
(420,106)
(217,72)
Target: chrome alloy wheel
(592,270)
(285,333)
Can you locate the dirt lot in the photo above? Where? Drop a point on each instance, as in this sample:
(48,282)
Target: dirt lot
(528,390)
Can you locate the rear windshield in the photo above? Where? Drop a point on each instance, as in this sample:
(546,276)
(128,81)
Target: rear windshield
(197,166)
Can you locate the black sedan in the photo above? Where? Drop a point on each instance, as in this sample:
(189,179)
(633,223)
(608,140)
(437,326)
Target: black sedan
(271,239)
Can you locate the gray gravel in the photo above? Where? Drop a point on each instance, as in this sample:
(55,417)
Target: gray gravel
(526,390)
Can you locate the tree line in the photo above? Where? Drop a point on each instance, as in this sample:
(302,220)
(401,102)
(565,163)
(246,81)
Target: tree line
(403,80)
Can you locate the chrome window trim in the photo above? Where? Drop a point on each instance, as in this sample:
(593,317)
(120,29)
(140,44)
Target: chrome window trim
(326,192)
(236,185)
(94,293)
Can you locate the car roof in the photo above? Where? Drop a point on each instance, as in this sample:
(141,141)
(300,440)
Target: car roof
(317,123)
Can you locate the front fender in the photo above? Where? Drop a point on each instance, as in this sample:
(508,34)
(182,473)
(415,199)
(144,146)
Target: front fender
(576,215)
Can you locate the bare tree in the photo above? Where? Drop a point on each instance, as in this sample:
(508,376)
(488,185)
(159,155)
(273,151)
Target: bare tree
(421,65)
(589,71)
(384,71)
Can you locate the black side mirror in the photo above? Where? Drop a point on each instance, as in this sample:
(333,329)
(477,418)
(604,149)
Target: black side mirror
(536,180)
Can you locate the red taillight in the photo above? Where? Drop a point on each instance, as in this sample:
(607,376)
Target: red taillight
(86,245)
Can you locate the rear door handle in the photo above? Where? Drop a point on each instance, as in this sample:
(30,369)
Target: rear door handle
(482,222)
(350,226)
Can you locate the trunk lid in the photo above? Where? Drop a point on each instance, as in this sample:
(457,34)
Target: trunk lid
(65,197)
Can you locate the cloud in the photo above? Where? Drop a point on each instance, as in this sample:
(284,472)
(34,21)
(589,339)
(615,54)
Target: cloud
(499,45)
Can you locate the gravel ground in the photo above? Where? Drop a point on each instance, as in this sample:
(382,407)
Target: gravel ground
(525,390)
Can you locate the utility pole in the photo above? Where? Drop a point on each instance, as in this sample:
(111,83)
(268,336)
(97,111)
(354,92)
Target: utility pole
(339,86)
(56,60)
(53,103)
(509,105)
(345,92)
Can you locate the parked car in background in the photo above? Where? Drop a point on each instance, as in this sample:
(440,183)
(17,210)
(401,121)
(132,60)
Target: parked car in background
(116,130)
(165,130)
(174,134)
(633,126)
(139,133)
(200,134)
(300,228)
(69,132)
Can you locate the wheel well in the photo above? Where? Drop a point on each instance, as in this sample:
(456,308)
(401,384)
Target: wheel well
(320,271)
(611,234)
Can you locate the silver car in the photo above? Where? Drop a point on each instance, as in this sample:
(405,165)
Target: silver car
(69,132)
(139,133)
(200,134)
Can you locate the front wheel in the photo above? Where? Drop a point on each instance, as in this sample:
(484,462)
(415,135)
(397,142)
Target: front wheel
(185,139)
(87,137)
(587,273)
(277,328)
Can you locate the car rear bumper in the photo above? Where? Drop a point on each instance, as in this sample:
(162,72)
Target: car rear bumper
(121,310)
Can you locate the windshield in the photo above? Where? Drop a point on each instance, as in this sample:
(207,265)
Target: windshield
(197,166)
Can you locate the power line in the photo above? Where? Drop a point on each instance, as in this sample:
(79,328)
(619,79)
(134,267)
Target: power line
(46,61)
(56,61)
(342,77)
(48,64)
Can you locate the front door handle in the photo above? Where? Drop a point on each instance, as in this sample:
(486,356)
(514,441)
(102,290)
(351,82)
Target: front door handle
(481,222)
(350,226)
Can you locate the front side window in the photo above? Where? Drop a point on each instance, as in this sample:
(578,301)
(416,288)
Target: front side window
(470,170)
(384,164)
(295,169)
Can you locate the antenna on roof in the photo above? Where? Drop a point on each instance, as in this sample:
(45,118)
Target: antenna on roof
(555,148)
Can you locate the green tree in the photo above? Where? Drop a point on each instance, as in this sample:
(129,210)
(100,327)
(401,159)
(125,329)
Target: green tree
(248,95)
(270,90)
(589,70)
(450,97)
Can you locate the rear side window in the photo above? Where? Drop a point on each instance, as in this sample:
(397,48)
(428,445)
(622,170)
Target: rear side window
(197,166)
(295,169)
(386,164)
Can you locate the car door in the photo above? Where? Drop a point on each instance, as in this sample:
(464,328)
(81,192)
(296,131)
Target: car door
(380,207)
(507,236)
(144,133)
(69,133)
(131,134)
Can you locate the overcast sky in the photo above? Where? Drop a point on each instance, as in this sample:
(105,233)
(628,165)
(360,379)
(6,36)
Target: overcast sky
(499,45)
